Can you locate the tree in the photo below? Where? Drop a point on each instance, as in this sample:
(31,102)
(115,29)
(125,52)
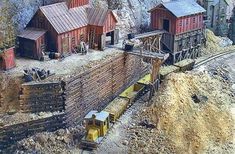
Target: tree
(7,30)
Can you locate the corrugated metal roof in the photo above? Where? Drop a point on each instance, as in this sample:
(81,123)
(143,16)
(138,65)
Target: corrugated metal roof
(32,33)
(181,8)
(97,16)
(64,19)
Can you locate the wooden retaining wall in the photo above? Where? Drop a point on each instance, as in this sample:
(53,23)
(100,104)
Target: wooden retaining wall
(73,97)
(13,133)
(42,97)
(94,89)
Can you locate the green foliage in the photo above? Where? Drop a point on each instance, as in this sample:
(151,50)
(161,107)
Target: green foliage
(7,30)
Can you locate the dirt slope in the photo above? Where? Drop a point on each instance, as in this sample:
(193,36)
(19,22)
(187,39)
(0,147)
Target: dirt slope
(191,114)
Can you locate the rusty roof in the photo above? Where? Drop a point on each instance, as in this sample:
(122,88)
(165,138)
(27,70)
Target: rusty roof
(32,33)
(64,19)
(98,16)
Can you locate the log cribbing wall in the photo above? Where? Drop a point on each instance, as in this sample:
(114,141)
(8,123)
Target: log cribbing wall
(74,97)
(13,133)
(94,89)
(80,93)
(42,97)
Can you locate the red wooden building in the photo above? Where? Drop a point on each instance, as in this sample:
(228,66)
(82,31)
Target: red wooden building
(7,59)
(67,24)
(183,21)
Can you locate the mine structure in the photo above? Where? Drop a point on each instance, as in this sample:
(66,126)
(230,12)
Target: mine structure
(61,27)
(102,92)
(183,23)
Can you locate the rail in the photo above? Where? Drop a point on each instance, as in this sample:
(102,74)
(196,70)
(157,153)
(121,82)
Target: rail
(202,62)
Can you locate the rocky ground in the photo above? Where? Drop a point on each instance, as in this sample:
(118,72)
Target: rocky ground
(66,66)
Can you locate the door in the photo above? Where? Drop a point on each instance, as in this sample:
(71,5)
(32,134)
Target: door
(166,24)
(65,45)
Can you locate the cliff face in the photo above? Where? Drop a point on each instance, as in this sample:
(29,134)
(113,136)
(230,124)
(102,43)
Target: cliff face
(132,14)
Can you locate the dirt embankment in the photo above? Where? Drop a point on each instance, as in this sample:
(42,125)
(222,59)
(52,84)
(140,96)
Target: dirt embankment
(190,115)
(216,44)
(9,93)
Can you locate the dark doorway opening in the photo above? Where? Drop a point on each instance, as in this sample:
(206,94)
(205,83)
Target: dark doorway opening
(110,38)
(166,24)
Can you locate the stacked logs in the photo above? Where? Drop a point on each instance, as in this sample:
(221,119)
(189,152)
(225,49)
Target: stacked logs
(13,133)
(41,97)
(74,97)
(94,89)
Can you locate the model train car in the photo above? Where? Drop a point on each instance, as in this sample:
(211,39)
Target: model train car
(98,123)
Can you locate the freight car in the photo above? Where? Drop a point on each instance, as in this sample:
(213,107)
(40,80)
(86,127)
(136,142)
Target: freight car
(98,123)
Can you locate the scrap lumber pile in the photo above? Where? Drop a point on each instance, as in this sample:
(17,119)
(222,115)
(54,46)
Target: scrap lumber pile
(92,90)
(12,133)
(41,97)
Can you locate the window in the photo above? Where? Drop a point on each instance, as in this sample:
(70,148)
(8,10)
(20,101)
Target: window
(90,122)
(194,20)
(180,23)
(97,123)
(186,21)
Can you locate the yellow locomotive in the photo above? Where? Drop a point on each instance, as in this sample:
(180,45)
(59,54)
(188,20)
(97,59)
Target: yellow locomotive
(98,123)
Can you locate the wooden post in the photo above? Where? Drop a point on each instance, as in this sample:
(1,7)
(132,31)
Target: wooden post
(155,69)
(102,42)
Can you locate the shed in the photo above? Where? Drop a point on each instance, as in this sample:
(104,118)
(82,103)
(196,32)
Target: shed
(69,23)
(178,16)
(32,43)
(7,59)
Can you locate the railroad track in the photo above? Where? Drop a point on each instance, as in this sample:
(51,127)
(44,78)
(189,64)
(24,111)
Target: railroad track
(212,58)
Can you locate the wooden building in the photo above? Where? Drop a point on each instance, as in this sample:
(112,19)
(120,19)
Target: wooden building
(68,23)
(33,43)
(183,22)
(216,15)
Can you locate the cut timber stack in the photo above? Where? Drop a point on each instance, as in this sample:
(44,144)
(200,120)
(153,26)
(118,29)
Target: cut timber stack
(42,97)
(13,133)
(94,89)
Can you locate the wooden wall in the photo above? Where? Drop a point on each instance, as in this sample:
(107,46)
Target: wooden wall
(76,3)
(189,23)
(157,17)
(177,25)
(74,38)
(95,88)
(110,23)
(40,21)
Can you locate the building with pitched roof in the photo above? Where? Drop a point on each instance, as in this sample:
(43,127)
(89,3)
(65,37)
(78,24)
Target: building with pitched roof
(183,20)
(66,25)
(216,15)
